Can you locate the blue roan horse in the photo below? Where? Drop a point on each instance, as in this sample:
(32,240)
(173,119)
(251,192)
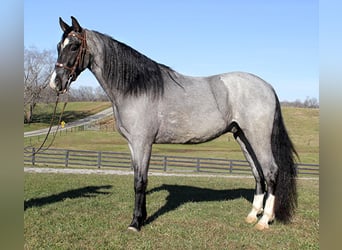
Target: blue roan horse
(154,104)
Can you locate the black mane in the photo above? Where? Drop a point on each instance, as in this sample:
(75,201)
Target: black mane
(129,71)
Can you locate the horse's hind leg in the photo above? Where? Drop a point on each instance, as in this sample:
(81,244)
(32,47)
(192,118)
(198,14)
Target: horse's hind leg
(258,199)
(264,170)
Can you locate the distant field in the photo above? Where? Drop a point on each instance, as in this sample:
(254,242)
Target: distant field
(93,212)
(73,111)
(302,125)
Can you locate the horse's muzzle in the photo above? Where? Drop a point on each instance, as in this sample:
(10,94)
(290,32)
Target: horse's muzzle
(58,84)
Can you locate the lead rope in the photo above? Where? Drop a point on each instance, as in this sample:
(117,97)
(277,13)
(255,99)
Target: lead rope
(51,124)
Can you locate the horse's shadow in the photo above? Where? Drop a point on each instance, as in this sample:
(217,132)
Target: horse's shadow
(179,194)
(89,191)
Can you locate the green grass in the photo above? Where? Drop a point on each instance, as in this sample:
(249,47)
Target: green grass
(302,125)
(93,212)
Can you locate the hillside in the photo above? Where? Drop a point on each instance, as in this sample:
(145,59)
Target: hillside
(73,111)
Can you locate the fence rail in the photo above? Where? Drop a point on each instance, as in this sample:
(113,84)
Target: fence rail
(99,159)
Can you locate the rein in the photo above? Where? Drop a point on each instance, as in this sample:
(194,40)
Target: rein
(50,127)
(79,59)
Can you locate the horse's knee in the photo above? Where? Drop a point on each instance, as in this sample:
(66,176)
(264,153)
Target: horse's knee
(140,184)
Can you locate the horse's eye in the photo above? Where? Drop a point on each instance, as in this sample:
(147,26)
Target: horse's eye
(73,47)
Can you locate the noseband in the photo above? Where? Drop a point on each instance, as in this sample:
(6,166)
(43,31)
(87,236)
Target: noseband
(80,56)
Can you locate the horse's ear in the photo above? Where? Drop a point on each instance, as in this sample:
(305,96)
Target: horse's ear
(63,25)
(75,25)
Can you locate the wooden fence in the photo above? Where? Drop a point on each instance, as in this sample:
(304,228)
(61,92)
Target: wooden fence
(166,163)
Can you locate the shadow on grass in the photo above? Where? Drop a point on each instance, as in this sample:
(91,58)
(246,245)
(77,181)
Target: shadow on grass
(179,195)
(90,191)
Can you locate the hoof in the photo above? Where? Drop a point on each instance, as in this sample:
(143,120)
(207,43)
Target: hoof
(262,226)
(133,229)
(251,219)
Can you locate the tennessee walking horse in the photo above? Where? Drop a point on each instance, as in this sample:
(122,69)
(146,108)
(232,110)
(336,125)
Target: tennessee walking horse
(152,103)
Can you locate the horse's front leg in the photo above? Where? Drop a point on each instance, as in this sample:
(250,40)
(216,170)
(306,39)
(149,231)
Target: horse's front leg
(139,213)
(140,160)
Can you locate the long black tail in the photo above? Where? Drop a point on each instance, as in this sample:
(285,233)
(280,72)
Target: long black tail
(284,153)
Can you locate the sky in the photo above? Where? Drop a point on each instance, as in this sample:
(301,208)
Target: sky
(276,40)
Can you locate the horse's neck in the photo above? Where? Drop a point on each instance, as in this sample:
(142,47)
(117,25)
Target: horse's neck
(113,95)
(103,82)
(97,66)
(97,72)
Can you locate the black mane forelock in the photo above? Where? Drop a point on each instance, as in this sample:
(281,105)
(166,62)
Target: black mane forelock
(129,71)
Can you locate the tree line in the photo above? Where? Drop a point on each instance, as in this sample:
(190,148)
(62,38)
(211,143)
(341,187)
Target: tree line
(309,102)
(38,67)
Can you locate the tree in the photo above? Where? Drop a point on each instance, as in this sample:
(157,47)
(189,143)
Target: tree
(38,66)
(308,103)
(311,102)
(88,94)
(101,94)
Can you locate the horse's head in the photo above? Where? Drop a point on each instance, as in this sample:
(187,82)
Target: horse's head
(72,56)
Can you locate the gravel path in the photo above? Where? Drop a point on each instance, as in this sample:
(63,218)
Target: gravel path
(118,172)
(123,172)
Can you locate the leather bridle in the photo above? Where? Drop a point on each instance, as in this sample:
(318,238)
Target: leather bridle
(79,59)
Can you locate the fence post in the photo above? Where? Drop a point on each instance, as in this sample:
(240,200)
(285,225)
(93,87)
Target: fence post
(33,156)
(99,159)
(198,164)
(165,163)
(67,158)
(230,166)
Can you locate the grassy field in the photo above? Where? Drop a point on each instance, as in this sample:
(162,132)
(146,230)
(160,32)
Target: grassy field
(302,125)
(93,212)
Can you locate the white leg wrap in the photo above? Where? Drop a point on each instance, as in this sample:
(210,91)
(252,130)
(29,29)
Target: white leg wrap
(268,215)
(256,209)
